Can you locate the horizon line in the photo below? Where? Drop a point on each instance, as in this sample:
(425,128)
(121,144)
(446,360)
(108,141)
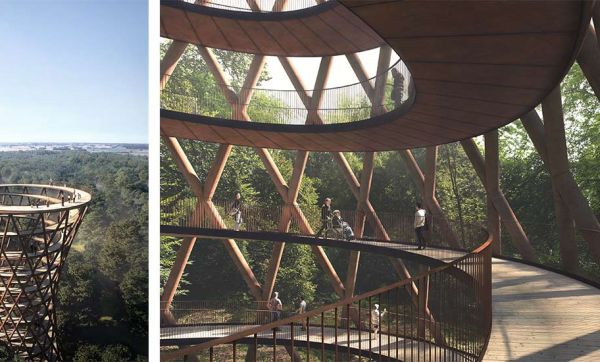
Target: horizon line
(76,142)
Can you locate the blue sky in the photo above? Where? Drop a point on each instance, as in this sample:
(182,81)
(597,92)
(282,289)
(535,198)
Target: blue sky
(74,71)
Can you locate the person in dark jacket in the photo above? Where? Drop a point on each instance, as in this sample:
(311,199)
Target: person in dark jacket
(325,216)
(236,211)
(398,88)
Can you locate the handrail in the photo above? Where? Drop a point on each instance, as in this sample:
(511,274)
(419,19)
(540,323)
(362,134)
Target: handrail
(481,284)
(22,199)
(338,105)
(264,218)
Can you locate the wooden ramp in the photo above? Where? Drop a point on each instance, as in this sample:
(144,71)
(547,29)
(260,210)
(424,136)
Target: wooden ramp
(539,315)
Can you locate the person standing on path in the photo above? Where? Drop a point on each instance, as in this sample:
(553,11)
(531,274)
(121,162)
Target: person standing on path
(376,319)
(275,306)
(302,309)
(420,218)
(326,216)
(236,211)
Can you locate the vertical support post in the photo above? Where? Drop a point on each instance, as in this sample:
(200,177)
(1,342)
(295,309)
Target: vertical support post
(492,187)
(419,179)
(423,302)
(558,164)
(507,215)
(585,221)
(428,193)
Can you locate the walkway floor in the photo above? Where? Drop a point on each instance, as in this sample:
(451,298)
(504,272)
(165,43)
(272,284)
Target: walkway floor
(542,316)
(538,315)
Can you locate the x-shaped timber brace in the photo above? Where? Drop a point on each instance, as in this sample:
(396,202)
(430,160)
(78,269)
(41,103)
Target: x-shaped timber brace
(291,209)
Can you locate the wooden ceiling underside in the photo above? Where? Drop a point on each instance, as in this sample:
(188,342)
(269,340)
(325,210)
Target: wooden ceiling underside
(476,66)
(328,29)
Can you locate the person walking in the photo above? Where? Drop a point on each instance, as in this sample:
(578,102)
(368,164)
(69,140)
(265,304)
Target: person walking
(236,211)
(376,319)
(275,306)
(420,219)
(326,216)
(302,309)
(397,93)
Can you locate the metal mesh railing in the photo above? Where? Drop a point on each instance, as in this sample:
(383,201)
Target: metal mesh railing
(342,104)
(256,217)
(442,314)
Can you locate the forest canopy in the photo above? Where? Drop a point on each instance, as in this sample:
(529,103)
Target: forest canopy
(102,306)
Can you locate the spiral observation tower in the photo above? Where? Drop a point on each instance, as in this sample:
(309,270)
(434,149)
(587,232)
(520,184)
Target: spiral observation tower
(445,72)
(39,223)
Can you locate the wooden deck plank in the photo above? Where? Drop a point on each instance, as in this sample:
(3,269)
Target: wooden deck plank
(542,316)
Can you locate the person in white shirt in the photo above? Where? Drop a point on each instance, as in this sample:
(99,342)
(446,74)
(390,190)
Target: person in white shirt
(420,217)
(376,319)
(302,309)
(275,306)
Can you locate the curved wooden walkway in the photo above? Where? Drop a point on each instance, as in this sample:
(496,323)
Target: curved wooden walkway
(539,315)
(432,255)
(475,66)
(322,30)
(381,346)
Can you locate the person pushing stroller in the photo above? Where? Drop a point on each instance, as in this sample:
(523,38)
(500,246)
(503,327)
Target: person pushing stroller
(339,223)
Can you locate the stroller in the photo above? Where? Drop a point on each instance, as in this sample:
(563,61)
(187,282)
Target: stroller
(340,228)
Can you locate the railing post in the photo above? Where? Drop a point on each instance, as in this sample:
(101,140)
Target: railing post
(422,305)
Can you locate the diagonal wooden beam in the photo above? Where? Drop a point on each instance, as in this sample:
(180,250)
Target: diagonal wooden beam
(175,275)
(508,217)
(365,190)
(185,167)
(361,73)
(577,205)
(376,97)
(355,188)
(338,157)
(558,165)
(272,169)
(492,187)
(378,94)
(317,96)
(596,18)
(217,71)
(431,154)
(428,192)
(284,224)
(212,213)
(256,67)
(297,174)
(170,60)
(215,172)
(589,58)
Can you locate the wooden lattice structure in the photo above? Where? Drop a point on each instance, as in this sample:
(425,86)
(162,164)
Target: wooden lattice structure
(39,224)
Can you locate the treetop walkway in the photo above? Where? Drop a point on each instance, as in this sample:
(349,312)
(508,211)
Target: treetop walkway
(471,68)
